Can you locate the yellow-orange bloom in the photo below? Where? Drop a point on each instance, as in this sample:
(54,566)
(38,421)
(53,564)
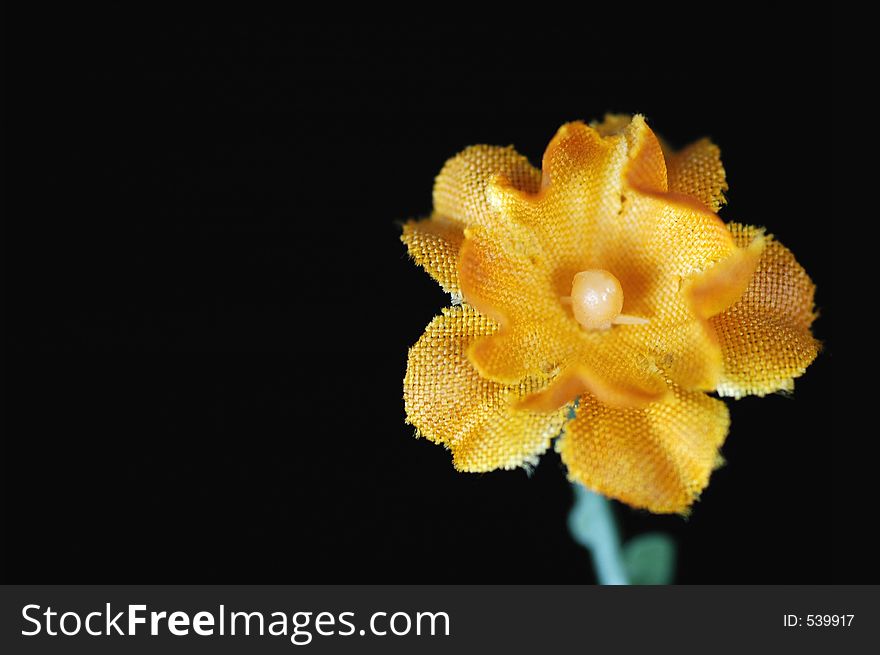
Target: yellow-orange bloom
(605,278)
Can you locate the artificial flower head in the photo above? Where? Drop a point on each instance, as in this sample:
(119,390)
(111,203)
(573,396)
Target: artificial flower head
(599,299)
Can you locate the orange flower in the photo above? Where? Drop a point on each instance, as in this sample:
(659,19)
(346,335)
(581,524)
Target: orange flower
(606,279)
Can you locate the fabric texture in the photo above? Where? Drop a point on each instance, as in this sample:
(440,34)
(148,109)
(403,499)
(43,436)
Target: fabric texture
(474,417)
(659,457)
(697,171)
(765,336)
(727,309)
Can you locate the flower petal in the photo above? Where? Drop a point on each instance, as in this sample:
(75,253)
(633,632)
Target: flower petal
(434,244)
(646,168)
(450,404)
(765,336)
(723,284)
(460,189)
(579,201)
(658,458)
(697,171)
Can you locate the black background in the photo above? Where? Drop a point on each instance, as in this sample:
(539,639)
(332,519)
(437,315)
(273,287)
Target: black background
(211,306)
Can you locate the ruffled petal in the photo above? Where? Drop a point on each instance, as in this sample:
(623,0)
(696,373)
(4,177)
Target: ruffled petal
(658,458)
(579,200)
(449,403)
(646,166)
(765,336)
(460,189)
(697,171)
(723,284)
(433,243)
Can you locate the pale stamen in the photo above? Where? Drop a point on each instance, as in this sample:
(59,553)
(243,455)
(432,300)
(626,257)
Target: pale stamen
(596,300)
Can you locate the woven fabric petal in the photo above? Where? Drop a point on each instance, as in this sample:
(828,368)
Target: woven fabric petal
(765,336)
(696,171)
(449,403)
(460,200)
(460,189)
(433,243)
(658,457)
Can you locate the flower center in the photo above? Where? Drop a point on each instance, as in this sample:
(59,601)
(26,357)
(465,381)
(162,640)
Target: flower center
(597,299)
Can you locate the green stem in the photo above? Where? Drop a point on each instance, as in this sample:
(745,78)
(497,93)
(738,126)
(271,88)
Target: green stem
(592,524)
